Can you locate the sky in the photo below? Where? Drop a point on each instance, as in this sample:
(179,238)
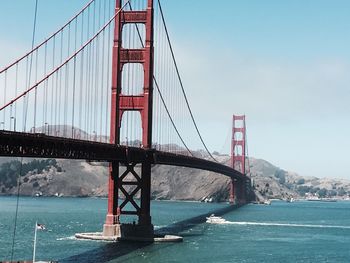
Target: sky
(284,64)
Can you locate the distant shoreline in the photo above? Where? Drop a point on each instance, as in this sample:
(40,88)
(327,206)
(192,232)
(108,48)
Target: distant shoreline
(97,197)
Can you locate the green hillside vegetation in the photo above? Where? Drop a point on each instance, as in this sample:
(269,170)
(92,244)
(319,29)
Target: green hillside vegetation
(9,171)
(299,187)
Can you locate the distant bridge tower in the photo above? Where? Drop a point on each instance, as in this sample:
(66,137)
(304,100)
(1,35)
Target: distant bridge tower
(238,188)
(121,103)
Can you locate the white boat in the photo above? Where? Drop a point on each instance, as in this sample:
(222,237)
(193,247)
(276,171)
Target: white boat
(212,219)
(267,202)
(290,200)
(38,194)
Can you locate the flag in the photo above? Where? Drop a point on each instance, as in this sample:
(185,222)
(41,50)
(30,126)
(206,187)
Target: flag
(40,227)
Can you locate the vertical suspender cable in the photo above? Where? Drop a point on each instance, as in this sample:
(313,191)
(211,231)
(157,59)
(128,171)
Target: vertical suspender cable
(20,171)
(87,86)
(181,84)
(74,77)
(45,93)
(36,90)
(102,71)
(16,89)
(93,77)
(4,115)
(59,87)
(65,97)
(163,101)
(81,92)
(108,73)
(53,81)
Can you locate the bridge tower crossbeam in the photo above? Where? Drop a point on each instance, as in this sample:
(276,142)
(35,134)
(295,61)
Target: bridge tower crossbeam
(238,188)
(121,103)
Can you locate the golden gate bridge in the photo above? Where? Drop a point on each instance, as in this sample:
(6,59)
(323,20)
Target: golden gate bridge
(106,87)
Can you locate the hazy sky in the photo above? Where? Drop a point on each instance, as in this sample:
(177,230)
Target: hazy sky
(285,64)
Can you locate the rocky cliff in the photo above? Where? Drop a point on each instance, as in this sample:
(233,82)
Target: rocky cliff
(81,178)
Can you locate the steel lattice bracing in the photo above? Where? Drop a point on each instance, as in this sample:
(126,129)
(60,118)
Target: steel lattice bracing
(121,103)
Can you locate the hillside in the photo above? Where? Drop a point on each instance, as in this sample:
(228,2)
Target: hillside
(80,178)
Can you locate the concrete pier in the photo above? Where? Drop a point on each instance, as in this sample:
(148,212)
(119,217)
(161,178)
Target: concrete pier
(100,236)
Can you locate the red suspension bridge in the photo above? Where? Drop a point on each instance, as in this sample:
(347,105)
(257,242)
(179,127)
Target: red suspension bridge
(106,87)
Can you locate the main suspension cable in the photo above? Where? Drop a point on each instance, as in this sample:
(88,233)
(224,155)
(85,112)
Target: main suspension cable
(161,96)
(181,84)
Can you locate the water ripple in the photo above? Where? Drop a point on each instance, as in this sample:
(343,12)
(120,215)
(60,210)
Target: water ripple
(280,224)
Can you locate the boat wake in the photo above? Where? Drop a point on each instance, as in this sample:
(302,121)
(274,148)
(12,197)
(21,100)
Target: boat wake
(278,224)
(66,238)
(159,227)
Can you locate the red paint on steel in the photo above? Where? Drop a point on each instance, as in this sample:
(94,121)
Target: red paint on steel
(232,191)
(238,144)
(238,156)
(121,103)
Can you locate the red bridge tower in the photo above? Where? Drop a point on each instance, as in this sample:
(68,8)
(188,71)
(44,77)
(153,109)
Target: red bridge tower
(142,103)
(238,191)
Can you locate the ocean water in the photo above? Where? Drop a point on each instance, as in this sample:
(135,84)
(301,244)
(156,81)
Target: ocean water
(282,232)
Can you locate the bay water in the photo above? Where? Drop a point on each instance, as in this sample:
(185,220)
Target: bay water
(281,232)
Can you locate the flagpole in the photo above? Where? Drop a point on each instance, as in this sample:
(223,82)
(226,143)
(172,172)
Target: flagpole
(34,249)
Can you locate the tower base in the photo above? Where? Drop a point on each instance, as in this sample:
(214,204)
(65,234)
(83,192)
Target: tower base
(98,236)
(129,231)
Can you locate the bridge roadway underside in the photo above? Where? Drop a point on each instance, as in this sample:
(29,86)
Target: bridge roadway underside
(18,144)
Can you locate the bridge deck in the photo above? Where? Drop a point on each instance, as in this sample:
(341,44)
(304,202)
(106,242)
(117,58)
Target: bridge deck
(42,146)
